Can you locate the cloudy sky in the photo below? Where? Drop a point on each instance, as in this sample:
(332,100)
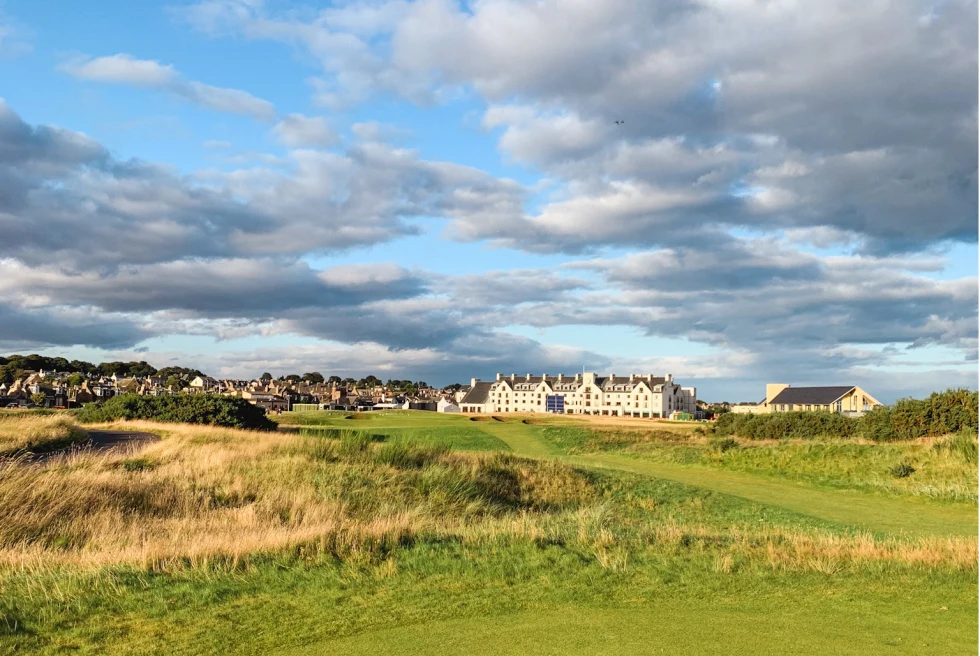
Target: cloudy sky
(439,189)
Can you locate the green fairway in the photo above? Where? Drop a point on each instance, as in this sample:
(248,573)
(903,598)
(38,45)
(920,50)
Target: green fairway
(872,513)
(673,627)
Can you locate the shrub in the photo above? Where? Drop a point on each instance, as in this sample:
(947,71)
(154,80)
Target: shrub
(940,414)
(783,425)
(724,445)
(181,408)
(902,470)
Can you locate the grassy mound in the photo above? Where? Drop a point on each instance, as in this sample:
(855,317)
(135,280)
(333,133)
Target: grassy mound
(38,433)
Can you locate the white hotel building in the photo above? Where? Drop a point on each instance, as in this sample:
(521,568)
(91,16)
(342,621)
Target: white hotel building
(636,395)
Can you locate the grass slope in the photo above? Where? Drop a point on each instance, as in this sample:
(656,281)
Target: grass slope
(34,432)
(874,513)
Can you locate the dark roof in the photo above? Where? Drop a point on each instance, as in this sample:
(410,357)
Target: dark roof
(479,394)
(811,395)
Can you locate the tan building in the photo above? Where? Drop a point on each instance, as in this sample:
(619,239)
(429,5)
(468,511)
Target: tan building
(636,395)
(780,397)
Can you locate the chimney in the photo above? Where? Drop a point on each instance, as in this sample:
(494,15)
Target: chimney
(632,377)
(612,376)
(528,378)
(560,376)
(499,377)
(578,377)
(513,377)
(668,378)
(773,390)
(474,381)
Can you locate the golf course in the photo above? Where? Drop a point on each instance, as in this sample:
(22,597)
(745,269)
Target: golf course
(420,533)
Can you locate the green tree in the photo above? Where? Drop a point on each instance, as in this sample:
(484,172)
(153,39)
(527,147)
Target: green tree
(314,377)
(38,398)
(75,380)
(176,383)
(266,377)
(335,379)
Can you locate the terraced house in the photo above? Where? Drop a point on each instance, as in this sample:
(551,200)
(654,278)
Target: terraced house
(636,395)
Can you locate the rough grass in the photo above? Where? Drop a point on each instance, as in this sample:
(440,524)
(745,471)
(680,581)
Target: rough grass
(944,469)
(37,433)
(209,494)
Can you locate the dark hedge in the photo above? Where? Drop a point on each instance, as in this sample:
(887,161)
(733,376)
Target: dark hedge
(207,409)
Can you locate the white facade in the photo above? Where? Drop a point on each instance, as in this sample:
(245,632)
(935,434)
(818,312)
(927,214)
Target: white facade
(445,405)
(636,395)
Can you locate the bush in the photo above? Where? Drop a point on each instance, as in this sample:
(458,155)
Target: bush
(179,408)
(724,445)
(942,413)
(785,425)
(902,470)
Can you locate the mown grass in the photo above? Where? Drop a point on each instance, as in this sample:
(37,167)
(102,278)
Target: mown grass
(943,469)
(310,539)
(460,438)
(22,433)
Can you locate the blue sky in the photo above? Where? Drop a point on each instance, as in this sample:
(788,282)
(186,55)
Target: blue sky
(438,190)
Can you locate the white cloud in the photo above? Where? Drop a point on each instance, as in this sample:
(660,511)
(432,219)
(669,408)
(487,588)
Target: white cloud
(125,69)
(297,131)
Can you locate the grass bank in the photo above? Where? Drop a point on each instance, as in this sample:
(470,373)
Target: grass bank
(22,432)
(943,469)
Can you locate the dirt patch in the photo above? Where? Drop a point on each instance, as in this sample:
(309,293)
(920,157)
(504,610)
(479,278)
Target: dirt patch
(500,419)
(479,418)
(359,417)
(531,422)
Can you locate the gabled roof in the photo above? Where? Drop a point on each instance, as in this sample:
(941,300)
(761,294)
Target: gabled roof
(478,395)
(811,395)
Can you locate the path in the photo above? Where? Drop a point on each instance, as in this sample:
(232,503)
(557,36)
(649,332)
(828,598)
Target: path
(874,513)
(102,441)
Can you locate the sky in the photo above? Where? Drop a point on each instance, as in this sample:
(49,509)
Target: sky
(735,192)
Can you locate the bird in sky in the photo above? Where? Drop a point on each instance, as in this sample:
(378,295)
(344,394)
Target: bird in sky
(620,122)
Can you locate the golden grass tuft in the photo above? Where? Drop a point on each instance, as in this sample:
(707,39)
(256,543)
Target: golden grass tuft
(29,432)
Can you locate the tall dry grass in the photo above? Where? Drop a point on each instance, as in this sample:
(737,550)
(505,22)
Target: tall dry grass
(204,495)
(28,432)
(213,497)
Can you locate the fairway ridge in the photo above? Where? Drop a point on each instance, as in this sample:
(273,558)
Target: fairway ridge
(870,512)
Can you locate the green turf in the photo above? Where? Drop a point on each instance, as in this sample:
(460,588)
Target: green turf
(460,438)
(680,626)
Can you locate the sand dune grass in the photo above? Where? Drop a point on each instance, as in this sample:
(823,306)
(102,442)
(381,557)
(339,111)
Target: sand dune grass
(22,432)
